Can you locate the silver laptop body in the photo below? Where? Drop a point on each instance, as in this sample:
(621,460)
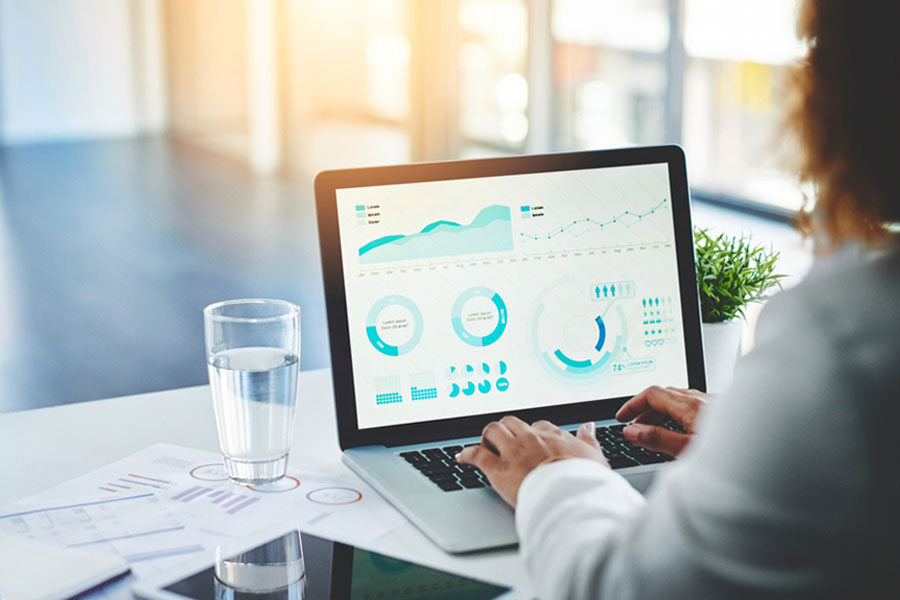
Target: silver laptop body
(550,287)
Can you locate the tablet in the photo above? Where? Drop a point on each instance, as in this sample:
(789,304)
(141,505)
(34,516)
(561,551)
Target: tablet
(287,564)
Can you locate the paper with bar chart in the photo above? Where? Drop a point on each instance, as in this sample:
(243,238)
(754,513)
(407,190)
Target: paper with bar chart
(493,294)
(166,502)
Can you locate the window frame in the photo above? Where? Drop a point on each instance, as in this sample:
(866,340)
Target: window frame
(543,130)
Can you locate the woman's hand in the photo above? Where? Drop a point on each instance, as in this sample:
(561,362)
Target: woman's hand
(655,406)
(510,449)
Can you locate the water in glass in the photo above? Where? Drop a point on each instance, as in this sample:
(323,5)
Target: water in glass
(254,392)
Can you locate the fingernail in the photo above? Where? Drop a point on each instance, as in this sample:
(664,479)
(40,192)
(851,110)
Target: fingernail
(592,429)
(456,457)
(633,432)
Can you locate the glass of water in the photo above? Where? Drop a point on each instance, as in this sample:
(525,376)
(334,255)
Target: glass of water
(253,357)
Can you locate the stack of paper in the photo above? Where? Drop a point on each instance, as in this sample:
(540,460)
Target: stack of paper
(166,502)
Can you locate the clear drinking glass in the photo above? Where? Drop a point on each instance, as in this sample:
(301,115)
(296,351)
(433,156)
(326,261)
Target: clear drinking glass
(253,358)
(272,571)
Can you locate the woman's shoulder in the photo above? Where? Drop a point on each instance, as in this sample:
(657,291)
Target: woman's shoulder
(850,303)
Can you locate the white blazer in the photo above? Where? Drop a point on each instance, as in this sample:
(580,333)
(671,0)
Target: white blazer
(790,487)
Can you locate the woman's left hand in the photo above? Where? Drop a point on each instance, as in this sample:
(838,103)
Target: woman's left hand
(510,449)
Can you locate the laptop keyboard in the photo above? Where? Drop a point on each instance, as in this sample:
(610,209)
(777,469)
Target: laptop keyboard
(440,466)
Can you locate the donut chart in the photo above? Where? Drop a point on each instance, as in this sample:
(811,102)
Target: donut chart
(334,496)
(460,320)
(409,317)
(211,472)
(576,341)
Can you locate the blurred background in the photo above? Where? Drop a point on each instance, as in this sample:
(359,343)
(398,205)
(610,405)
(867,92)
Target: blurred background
(158,155)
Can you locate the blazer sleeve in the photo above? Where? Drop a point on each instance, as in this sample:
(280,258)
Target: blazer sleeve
(763,502)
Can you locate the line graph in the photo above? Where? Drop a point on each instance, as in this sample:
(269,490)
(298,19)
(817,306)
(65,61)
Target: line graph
(624,217)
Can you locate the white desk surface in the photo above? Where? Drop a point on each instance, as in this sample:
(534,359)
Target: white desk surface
(43,447)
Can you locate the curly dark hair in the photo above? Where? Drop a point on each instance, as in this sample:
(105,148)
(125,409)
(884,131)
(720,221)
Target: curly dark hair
(846,115)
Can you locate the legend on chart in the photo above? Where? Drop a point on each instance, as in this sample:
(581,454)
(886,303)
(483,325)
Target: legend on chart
(230,502)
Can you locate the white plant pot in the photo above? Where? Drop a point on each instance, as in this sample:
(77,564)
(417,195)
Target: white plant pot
(721,349)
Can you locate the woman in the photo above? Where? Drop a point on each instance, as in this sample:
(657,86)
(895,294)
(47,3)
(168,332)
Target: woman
(788,488)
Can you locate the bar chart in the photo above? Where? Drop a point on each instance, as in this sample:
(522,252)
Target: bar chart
(229,502)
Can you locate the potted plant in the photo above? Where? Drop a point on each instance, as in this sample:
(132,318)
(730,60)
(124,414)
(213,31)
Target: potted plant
(732,272)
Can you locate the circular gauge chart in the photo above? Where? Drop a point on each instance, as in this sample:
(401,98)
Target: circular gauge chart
(479,316)
(576,338)
(211,472)
(394,325)
(332,496)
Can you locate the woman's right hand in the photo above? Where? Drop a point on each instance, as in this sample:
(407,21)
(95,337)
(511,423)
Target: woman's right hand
(653,407)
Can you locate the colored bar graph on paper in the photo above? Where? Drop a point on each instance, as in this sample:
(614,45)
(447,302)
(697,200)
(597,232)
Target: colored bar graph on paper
(228,501)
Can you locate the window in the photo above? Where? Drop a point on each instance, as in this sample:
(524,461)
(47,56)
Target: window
(459,78)
(493,94)
(707,74)
(609,72)
(735,72)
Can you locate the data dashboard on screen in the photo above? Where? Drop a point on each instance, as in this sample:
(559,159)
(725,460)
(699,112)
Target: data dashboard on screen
(483,295)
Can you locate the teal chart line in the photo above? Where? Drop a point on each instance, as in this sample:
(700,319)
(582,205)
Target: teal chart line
(489,231)
(614,220)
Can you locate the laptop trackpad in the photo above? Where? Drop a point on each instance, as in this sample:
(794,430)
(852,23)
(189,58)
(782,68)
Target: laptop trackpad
(640,481)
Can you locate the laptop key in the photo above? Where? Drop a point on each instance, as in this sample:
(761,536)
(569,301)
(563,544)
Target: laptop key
(453,450)
(647,458)
(675,426)
(434,471)
(472,484)
(438,477)
(449,486)
(622,462)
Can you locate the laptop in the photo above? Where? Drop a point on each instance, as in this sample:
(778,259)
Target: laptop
(548,287)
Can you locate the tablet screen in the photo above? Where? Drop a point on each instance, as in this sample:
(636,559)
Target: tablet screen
(297,566)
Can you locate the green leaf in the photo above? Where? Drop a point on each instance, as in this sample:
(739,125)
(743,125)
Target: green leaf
(731,273)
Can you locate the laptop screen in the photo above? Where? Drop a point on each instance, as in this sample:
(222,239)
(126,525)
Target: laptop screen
(495,294)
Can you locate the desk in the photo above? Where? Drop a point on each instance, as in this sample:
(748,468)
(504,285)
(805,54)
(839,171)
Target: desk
(43,447)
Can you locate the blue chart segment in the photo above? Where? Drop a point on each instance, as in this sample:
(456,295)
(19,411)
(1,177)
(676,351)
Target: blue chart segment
(462,318)
(422,386)
(489,231)
(471,378)
(387,390)
(576,337)
(599,358)
(405,325)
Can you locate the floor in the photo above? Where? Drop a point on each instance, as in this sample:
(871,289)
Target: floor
(110,250)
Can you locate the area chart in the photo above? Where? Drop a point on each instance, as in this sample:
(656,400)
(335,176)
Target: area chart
(489,231)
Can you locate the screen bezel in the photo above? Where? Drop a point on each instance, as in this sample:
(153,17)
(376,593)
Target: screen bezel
(326,184)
